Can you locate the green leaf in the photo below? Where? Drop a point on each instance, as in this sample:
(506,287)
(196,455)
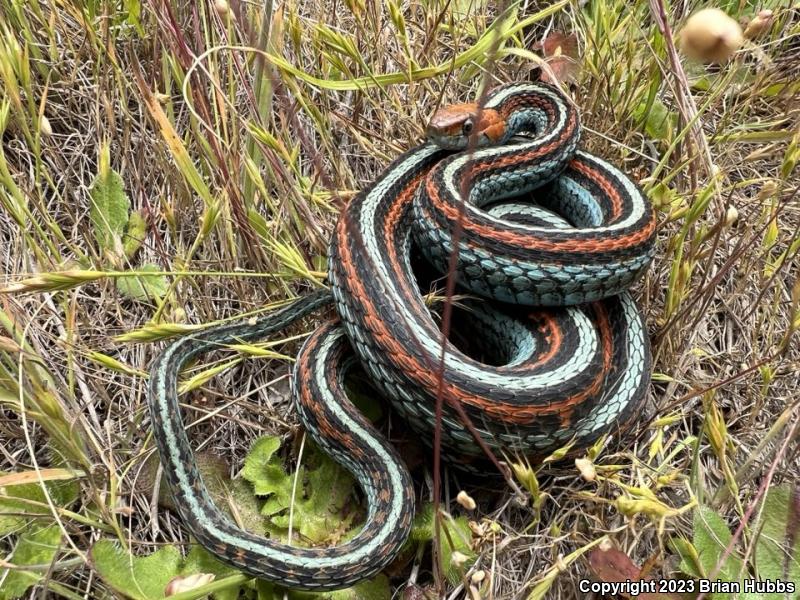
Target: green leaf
(464,8)
(259,223)
(320,493)
(248,507)
(133,12)
(136,577)
(15,502)
(663,197)
(774,559)
(455,536)
(372,589)
(422,527)
(110,206)
(690,563)
(225,493)
(144,287)
(199,560)
(134,236)
(37,547)
(711,537)
(659,122)
(260,456)
(146,577)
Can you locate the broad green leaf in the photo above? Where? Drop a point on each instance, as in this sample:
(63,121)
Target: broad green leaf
(663,197)
(110,206)
(320,493)
(373,589)
(199,560)
(144,287)
(774,559)
(37,547)
(224,492)
(136,577)
(264,470)
(260,456)
(14,508)
(711,538)
(248,506)
(659,122)
(146,577)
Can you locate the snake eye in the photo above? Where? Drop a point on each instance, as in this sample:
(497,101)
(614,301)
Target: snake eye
(466,128)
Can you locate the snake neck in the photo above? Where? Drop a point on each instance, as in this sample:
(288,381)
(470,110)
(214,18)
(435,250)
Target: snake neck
(509,168)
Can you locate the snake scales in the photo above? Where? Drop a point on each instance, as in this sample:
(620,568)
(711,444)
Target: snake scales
(572,355)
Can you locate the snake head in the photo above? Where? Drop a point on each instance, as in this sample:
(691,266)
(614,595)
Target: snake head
(457,126)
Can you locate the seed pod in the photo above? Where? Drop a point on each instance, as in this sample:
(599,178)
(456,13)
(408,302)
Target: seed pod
(759,24)
(465,500)
(710,36)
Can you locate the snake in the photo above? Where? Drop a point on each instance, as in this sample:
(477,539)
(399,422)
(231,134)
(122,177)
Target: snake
(544,240)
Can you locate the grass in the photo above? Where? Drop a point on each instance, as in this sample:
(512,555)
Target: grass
(240,131)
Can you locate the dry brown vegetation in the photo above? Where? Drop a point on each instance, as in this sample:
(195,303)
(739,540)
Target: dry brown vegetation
(240,130)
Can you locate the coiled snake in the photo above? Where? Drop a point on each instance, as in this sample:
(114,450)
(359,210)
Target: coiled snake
(572,355)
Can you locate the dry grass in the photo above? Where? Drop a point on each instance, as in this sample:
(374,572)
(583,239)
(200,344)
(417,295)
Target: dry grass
(247,193)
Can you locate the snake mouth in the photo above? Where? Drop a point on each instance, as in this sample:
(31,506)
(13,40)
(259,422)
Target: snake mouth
(447,142)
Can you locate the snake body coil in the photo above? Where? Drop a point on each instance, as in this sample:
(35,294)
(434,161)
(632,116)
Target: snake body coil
(568,374)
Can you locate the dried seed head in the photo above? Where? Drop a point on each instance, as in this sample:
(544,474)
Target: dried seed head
(478,576)
(586,468)
(731,216)
(759,24)
(465,500)
(477,529)
(44,127)
(710,36)
(560,564)
(222,7)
